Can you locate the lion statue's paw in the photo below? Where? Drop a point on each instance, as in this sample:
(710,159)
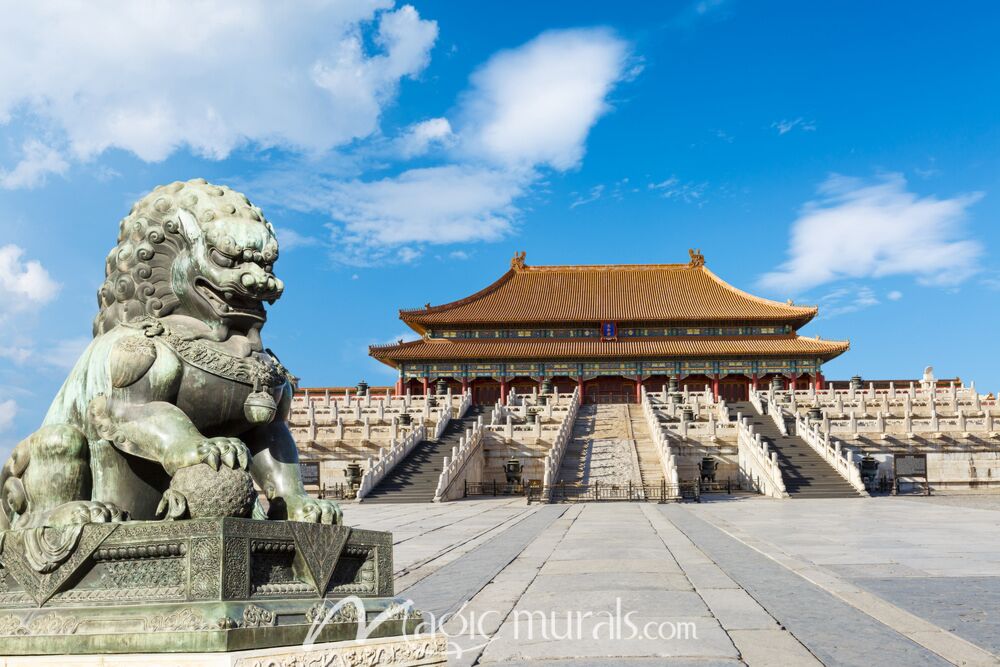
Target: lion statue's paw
(80,512)
(314,510)
(213,452)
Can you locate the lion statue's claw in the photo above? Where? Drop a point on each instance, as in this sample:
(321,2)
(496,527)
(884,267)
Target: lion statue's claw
(172,506)
(315,510)
(230,451)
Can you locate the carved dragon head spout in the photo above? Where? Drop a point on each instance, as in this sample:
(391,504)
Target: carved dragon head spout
(191,248)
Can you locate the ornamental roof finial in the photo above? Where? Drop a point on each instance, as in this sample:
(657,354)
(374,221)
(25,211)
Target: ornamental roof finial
(518,262)
(697,259)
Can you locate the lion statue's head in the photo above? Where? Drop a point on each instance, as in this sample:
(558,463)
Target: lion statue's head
(191,248)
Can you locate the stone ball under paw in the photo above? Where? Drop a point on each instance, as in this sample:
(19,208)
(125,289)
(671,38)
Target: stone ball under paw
(215,493)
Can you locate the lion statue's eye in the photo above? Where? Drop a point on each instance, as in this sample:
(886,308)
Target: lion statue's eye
(224,261)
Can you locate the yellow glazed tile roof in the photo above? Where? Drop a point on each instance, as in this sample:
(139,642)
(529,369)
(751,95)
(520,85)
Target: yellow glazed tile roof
(617,292)
(625,348)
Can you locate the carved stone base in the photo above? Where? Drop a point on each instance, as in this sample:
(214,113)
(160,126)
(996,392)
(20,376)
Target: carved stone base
(194,586)
(416,651)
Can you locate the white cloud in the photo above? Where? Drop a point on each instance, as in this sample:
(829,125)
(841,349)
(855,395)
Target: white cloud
(534,105)
(15,353)
(861,229)
(786,126)
(289,239)
(449,204)
(528,109)
(8,410)
(421,137)
(459,255)
(894,295)
(593,195)
(846,299)
(38,162)
(210,75)
(674,188)
(22,283)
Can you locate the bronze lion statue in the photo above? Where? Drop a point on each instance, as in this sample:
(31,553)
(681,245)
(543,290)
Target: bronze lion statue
(175,409)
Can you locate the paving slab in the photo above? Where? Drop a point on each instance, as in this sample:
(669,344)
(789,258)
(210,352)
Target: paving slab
(771,648)
(524,638)
(967,606)
(737,610)
(611,581)
(835,632)
(446,589)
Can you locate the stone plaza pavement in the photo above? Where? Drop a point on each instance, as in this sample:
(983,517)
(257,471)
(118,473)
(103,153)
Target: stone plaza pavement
(887,581)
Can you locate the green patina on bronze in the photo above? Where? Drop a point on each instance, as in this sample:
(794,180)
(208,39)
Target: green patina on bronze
(126,518)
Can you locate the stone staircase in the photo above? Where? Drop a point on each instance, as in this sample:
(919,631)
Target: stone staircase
(650,466)
(415,478)
(805,472)
(600,449)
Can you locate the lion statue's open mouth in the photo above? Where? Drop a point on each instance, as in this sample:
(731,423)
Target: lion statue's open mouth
(231,302)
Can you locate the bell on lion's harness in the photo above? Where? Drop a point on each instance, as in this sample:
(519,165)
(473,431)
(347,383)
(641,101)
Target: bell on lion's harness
(259,407)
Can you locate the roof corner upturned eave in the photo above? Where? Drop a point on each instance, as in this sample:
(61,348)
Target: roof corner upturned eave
(799,316)
(416,318)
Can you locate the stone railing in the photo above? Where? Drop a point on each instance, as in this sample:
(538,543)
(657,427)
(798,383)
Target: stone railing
(398,450)
(330,435)
(758,462)
(308,406)
(701,431)
(668,463)
(455,470)
(464,404)
(711,420)
(911,399)
(553,460)
(843,459)
(700,403)
(772,409)
(882,425)
(535,431)
(526,411)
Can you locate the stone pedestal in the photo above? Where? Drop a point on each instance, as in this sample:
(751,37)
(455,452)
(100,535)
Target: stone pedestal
(415,651)
(206,585)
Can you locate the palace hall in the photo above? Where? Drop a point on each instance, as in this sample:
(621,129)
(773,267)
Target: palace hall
(608,330)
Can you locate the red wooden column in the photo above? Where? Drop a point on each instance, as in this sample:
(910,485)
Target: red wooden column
(503,390)
(819,381)
(425,382)
(715,386)
(399,386)
(638,389)
(579,385)
(754,380)
(465,385)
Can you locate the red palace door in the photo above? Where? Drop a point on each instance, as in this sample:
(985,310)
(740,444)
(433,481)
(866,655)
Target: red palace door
(732,389)
(485,392)
(609,390)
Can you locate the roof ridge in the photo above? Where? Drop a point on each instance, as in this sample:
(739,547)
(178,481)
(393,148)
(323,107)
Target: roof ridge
(604,267)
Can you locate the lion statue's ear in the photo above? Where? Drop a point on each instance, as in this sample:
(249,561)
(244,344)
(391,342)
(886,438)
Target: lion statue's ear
(189,225)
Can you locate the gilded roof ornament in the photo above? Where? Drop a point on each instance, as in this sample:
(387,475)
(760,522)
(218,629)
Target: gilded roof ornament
(697,259)
(517,263)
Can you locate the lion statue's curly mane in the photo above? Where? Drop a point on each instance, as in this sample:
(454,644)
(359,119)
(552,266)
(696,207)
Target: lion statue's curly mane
(138,269)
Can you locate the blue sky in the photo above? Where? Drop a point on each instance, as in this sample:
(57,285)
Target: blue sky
(842,154)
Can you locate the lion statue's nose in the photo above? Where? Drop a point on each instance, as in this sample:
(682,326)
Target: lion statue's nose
(262,283)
